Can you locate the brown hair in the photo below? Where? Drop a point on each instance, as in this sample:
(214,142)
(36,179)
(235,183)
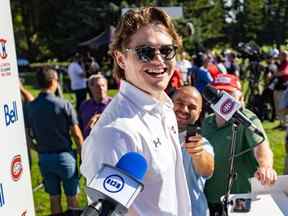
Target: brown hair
(131,22)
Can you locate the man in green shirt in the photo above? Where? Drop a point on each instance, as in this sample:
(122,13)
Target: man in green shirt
(258,162)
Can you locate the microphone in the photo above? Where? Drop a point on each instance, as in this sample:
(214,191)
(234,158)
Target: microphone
(228,108)
(113,189)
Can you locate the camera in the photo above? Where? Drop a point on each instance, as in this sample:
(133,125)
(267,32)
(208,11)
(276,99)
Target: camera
(241,205)
(192,130)
(250,50)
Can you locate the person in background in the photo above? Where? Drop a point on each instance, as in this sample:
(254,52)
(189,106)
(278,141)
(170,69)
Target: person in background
(257,161)
(283,109)
(174,83)
(281,84)
(51,119)
(140,118)
(230,63)
(91,109)
(77,80)
(198,154)
(183,65)
(27,97)
(197,76)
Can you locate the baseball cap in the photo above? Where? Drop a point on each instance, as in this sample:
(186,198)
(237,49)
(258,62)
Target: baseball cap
(228,82)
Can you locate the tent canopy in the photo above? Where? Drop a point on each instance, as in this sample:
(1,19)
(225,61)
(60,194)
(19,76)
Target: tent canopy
(102,39)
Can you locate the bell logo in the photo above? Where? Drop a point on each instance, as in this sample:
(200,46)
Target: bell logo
(11,114)
(3,52)
(113,183)
(2,198)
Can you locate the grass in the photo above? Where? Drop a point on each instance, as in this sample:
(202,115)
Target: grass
(41,198)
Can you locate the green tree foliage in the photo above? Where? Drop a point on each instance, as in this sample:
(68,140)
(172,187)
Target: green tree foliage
(53,29)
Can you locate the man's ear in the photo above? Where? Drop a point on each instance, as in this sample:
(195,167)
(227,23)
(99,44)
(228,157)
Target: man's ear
(120,59)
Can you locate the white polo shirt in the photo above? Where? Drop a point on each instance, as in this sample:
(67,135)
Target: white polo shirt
(134,121)
(76,73)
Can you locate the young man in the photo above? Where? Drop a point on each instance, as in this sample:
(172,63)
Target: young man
(258,161)
(52,119)
(198,154)
(77,80)
(140,118)
(91,109)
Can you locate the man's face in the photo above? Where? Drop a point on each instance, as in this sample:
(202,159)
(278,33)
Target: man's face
(151,76)
(187,108)
(98,88)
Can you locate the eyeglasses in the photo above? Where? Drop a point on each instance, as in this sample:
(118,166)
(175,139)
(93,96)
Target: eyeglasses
(148,53)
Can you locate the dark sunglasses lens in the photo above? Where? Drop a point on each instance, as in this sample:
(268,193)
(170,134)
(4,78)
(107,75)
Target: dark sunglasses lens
(146,54)
(168,52)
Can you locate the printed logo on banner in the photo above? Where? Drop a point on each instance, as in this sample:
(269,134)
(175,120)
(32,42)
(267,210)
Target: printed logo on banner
(24,213)
(2,198)
(5,67)
(10,112)
(16,167)
(3,52)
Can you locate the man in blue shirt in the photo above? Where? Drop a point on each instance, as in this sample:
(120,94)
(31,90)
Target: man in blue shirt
(198,154)
(52,119)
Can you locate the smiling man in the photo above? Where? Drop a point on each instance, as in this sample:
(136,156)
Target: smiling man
(140,117)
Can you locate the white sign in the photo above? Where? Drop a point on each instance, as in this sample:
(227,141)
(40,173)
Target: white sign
(16,196)
(175,12)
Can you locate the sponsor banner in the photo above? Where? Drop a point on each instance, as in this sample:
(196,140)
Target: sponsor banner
(16,197)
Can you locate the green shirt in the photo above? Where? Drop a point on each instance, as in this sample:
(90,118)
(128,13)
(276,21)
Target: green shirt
(245,165)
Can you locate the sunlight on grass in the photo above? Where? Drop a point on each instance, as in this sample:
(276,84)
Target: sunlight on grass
(41,199)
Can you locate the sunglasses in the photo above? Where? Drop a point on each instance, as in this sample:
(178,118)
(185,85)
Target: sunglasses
(148,53)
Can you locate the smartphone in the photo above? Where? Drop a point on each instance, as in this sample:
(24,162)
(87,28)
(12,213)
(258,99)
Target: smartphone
(242,205)
(192,130)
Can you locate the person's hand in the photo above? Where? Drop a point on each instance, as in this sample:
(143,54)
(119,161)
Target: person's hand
(93,120)
(194,145)
(266,175)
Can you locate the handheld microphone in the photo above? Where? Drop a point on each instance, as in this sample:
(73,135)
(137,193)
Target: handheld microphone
(114,189)
(228,108)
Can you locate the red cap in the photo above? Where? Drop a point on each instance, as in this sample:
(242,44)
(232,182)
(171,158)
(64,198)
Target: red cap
(226,82)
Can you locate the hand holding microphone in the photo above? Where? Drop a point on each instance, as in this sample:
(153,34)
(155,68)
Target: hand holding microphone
(114,189)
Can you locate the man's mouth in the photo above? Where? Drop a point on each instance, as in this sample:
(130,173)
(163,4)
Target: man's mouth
(182,117)
(156,72)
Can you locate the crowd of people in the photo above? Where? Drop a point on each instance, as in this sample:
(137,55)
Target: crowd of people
(158,112)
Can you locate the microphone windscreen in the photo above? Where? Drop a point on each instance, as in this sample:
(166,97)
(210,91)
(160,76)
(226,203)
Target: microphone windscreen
(134,164)
(211,94)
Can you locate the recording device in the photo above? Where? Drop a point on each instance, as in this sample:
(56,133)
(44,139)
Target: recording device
(114,189)
(192,130)
(228,108)
(250,50)
(190,29)
(241,205)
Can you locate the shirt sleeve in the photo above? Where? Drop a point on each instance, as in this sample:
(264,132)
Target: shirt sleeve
(252,138)
(71,113)
(104,145)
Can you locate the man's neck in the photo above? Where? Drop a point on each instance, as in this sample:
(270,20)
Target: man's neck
(100,99)
(49,91)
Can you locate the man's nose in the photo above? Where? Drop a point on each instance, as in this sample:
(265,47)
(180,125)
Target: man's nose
(158,56)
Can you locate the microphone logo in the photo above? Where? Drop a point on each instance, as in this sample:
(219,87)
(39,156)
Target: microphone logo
(227,106)
(113,183)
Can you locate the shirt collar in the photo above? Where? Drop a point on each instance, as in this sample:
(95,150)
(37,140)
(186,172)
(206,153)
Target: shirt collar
(143,100)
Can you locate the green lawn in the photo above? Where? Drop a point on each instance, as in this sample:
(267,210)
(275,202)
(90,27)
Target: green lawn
(41,199)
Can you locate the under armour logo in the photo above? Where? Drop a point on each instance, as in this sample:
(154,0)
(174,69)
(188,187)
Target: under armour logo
(157,142)
(173,129)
